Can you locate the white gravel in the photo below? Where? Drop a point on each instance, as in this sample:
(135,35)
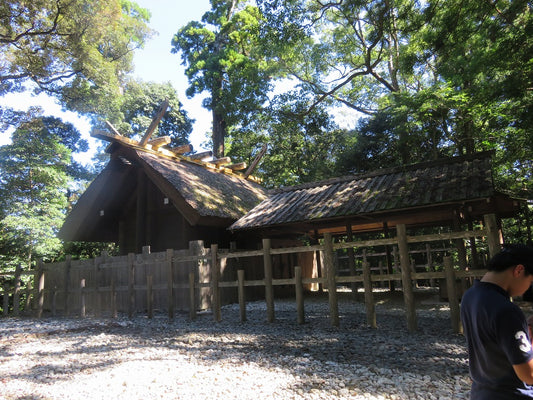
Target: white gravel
(72,358)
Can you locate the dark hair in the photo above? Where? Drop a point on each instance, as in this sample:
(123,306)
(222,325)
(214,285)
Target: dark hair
(511,255)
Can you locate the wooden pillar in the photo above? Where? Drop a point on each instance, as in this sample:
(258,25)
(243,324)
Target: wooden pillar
(298,288)
(493,234)
(407,283)
(453,297)
(242,298)
(269,289)
(215,278)
(329,266)
(369,296)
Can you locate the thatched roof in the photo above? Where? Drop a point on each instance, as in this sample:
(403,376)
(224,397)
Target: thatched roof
(209,192)
(424,193)
(203,193)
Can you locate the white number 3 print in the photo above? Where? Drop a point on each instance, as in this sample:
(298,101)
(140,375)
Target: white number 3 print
(525,345)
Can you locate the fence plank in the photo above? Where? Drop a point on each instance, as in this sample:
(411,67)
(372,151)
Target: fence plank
(40,288)
(82,298)
(299,289)
(170,282)
(16,292)
(66,284)
(192,302)
(215,277)
(241,295)
(131,284)
(330,277)
(407,283)
(149,296)
(369,296)
(269,289)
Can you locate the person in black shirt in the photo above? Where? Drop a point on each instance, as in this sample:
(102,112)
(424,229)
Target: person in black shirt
(499,344)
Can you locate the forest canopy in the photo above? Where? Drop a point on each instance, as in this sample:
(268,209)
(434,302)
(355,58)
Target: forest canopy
(417,81)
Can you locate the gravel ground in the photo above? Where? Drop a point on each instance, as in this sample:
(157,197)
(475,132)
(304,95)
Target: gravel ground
(139,358)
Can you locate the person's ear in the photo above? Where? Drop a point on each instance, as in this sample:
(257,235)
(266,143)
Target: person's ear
(518,269)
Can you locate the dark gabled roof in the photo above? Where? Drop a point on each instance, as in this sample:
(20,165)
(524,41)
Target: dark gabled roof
(452,180)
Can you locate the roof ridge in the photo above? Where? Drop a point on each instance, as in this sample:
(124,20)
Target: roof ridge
(387,171)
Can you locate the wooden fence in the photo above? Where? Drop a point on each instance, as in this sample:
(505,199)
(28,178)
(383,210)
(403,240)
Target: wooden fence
(196,278)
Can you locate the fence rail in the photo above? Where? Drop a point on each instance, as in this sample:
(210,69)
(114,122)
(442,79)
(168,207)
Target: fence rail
(195,278)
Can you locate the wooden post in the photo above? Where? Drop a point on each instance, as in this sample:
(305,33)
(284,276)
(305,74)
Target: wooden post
(16,292)
(82,298)
(170,283)
(269,289)
(299,294)
(330,276)
(369,296)
(66,286)
(215,277)
(453,297)
(131,284)
(407,283)
(493,234)
(192,302)
(149,296)
(242,299)
(40,288)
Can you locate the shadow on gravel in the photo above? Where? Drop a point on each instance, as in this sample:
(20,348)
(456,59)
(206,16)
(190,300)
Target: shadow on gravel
(314,351)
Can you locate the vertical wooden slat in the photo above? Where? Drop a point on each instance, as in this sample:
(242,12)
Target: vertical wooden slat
(82,298)
(131,284)
(241,294)
(330,277)
(192,298)
(369,296)
(149,296)
(453,297)
(170,282)
(269,289)
(299,294)
(16,291)
(114,313)
(40,288)
(5,303)
(407,283)
(66,286)
(215,277)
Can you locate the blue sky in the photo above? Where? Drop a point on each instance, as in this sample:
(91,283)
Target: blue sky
(153,63)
